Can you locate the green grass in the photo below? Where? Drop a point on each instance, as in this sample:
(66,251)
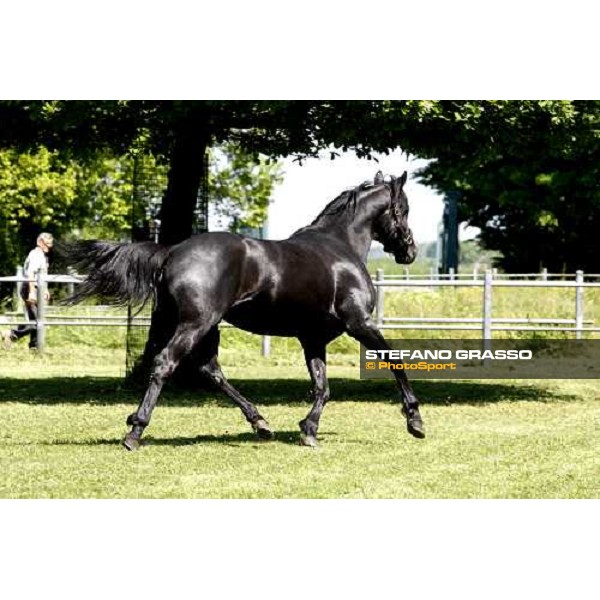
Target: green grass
(62,418)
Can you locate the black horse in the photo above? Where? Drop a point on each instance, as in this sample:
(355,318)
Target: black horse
(313,286)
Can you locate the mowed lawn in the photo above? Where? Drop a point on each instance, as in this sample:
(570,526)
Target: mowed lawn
(62,417)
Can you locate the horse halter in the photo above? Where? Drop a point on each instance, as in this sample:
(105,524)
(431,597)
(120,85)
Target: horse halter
(394,209)
(407,239)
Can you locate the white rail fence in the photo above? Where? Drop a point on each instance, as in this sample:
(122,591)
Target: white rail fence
(476,274)
(47,318)
(486,323)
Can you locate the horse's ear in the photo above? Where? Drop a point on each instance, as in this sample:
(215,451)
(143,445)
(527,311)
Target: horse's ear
(378,177)
(403,179)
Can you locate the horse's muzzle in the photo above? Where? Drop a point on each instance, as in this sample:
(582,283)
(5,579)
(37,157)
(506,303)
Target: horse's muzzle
(406,255)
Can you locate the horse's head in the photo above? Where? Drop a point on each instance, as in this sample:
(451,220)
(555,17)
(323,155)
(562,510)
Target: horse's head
(391,226)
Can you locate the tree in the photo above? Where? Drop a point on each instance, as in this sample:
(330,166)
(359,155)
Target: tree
(43,189)
(240,187)
(535,199)
(92,197)
(179,132)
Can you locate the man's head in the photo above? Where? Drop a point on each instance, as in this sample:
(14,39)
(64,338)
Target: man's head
(45,241)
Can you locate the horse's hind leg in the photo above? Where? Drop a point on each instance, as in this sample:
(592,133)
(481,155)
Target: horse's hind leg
(186,336)
(211,369)
(314,353)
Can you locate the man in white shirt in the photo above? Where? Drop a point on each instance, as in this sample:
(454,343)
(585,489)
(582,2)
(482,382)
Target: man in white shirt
(36,261)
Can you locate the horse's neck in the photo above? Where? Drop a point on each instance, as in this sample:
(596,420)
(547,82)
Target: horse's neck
(356,231)
(359,241)
(358,237)
(359,231)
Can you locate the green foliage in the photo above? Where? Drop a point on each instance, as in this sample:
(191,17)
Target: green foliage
(241,187)
(280,128)
(528,179)
(526,170)
(91,196)
(45,190)
(105,187)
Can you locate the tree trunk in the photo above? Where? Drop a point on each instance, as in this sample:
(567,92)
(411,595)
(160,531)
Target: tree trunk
(177,217)
(185,175)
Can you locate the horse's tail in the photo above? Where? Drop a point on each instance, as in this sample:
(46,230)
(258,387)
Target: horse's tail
(125,273)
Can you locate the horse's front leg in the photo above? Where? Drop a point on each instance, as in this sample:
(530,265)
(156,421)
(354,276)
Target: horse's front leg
(365,331)
(314,354)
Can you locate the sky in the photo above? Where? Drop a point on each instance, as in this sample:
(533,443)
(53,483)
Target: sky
(307,188)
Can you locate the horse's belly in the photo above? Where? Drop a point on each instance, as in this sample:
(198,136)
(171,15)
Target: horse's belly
(272,319)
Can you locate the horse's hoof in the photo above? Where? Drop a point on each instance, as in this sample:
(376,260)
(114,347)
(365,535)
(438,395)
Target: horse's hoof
(263,431)
(131,443)
(308,440)
(415,428)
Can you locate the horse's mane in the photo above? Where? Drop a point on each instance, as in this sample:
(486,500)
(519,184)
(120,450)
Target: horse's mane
(344,204)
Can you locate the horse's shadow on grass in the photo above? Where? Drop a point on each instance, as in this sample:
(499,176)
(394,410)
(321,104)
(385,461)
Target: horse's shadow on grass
(270,392)
(225,439)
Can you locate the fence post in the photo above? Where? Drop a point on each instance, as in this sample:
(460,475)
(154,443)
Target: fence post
(487,309)
(17,300)
(266,346)
(578,304)
(41,311)
(544,274)
(71,286)
(379,296)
